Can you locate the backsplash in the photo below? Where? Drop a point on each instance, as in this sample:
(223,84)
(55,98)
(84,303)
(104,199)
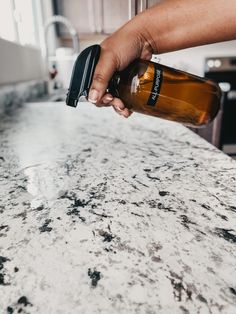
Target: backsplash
(16,94)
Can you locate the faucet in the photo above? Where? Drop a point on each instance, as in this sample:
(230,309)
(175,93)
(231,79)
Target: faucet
(61,19)
(64,67)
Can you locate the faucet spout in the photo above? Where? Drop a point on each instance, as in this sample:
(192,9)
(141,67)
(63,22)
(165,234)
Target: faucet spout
(61,19)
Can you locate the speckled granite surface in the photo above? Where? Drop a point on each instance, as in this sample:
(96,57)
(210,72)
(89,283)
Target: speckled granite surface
(100,214)
(14,95)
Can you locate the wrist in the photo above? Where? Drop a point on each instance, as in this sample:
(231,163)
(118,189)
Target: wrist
(145,32)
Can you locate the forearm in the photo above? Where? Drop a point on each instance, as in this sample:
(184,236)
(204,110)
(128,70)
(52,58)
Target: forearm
(177,24)
(168,26)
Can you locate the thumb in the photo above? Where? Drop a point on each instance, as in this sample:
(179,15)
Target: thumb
(104,70)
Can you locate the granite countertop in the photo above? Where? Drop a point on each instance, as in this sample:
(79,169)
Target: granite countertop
(101,214)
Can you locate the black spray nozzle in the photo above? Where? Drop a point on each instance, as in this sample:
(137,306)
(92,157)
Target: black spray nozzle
(82,74)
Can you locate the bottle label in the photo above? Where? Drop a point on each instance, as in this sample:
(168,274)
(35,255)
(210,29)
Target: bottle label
(156,86)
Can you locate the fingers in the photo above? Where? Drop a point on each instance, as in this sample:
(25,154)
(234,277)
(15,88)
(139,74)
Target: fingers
(120,108)
(105,101)
(105,68)
(116,103)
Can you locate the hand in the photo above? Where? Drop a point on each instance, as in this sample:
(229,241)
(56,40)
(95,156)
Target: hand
(171,25)
(117,52)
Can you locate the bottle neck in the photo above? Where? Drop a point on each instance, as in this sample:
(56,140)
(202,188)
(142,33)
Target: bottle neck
(113,84)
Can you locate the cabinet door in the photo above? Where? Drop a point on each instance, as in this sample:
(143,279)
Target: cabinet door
(94,16)
(141,5)
(80,13)
(150,3)
(99,16)
(115,14)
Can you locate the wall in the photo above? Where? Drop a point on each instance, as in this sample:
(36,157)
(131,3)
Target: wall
(192,59)
(23,63)
(19,63)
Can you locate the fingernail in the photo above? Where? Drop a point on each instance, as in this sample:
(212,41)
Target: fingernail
(109,98)
(118,109)
(126,113)
(93,96)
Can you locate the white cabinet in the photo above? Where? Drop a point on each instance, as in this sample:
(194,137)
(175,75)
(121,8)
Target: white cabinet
(99,16)
(79,12)
(150,3)
(141,5)
(115,14)
(93,16)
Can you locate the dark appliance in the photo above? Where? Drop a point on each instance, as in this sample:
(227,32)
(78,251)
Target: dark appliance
(223,71)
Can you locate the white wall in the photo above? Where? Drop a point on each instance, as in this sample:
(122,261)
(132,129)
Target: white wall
(192,59)
(19,63)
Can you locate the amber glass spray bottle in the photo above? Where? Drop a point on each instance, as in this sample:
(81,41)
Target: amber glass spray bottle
(152,89)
